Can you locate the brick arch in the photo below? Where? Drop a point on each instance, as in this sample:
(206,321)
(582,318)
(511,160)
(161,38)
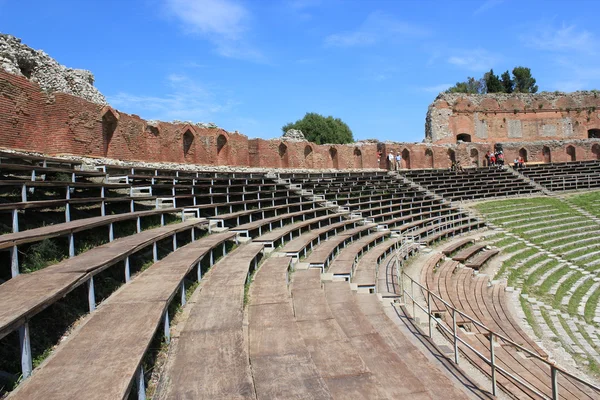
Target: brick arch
(429,163)
(571,153)
(187,142)
(451,155)
(358,161)
(283,155)
(308,156)
(596,150)
(523,153)
(547,154)
(474,156)
(593,133)
(222,149)
(110,121)
(405,158)
(333,154)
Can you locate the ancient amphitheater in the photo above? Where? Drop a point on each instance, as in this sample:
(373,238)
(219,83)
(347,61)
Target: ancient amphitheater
(145,259)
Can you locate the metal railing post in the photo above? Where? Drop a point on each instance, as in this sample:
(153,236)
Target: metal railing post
(412,295)
(455,336)
(429,313)
(554,375)
(493,363)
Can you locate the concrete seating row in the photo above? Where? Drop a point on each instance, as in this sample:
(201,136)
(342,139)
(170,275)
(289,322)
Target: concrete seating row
(565,176)
(472,183)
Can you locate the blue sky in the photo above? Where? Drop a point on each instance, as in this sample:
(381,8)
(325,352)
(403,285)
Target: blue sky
(254,65)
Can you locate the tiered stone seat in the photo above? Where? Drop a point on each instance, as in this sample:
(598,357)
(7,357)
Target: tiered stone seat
(473,296)
(574,175)
(472,183)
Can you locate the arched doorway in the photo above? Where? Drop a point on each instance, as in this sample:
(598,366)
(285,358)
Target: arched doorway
(523,154)
(308,157)
(357,158)
(474,156)
(571,153)
(188,139)
(222,150)
(283,156)
(452,155)
(463,137)
(109,126)
(547,154)
(596,151)
(334,157)
(429,158)
(405,159)
(593,133)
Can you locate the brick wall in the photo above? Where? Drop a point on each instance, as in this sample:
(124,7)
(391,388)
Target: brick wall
(33,120)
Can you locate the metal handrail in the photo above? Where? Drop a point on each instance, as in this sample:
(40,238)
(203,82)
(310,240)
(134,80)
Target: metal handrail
(491,361)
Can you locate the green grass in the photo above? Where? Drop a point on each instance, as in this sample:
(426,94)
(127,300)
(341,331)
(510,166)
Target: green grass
(578,295)
(530,281)
(587,201)
(537,330)
(591,305)
(515,247)
(511,262)
(564,288)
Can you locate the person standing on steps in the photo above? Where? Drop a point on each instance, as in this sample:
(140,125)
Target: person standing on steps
(391,161)
(398,161)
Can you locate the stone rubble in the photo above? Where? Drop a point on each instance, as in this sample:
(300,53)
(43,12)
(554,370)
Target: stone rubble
(294,135)
(19,59)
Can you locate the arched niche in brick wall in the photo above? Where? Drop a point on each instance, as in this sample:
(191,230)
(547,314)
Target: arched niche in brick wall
(358,162)
(222,150)
(547,154)
(283,155)
(452,155)
(333,154)
(188,141)
(523,154)
(463,137)
(110,120)
(593,133)
(571,153)
(405,159)
(474,157)
(308,156)
(429,158)
(596,151)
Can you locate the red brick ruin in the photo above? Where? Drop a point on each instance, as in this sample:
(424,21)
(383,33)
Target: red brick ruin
(542,128)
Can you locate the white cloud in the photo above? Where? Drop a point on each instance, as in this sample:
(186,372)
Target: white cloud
(185,100)
(437,88)
(560,39)
(489,4)
(225,23)
(376,28)
(476,60)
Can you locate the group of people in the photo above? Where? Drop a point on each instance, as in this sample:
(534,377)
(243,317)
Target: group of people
(495,158)
(394,163)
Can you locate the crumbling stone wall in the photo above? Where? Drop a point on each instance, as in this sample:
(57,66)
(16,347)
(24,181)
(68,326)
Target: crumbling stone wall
(19,59)
(500,117)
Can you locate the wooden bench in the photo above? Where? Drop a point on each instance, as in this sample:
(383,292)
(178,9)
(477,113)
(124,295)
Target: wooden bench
(28,294)
(121,332)
(469,252)
(480,259)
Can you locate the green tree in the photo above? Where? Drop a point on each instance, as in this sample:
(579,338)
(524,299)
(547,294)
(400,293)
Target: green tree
(471,85)
(507,83)
(493,83)
(319,129)
(524,82)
